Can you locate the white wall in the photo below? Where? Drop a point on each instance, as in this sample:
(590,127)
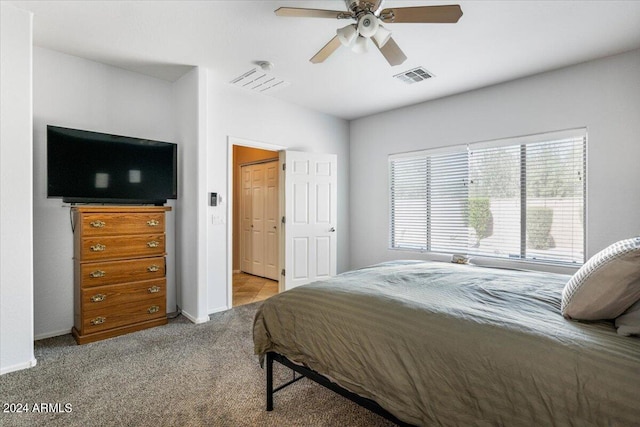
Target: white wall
(246,115)
(190,115)
(603,95)
(73,92)
(16,258)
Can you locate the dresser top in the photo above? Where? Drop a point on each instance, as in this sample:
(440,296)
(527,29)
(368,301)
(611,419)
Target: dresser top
(127,209)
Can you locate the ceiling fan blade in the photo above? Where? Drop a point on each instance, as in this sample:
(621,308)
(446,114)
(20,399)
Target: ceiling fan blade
(310,13)
(422,14)
(327,50)
(392,52)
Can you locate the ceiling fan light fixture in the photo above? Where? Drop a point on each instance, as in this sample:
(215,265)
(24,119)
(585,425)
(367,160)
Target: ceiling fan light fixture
(368,25)
(347,34)
(382,36)
(360,46)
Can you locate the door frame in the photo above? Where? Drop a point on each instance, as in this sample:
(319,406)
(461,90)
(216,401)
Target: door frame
(231,141)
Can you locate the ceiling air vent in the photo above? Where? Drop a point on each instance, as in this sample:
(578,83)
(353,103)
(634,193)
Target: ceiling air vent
(414,76)
(258,80)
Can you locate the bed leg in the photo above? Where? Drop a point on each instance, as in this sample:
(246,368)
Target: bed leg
(269,381)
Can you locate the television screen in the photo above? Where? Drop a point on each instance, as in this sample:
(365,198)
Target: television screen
(92,167)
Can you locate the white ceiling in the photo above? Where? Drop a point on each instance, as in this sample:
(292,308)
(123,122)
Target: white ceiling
(494,41)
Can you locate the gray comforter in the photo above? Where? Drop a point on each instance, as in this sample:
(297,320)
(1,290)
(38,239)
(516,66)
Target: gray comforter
(446,344)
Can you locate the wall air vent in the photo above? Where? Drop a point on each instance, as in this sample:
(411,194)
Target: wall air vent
(414,76)
(258,80)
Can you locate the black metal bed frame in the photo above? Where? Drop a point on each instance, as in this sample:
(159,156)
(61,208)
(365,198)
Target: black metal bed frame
(323,381)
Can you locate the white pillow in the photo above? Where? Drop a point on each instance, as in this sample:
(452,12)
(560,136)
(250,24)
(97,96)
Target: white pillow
(606,285)
(629,322)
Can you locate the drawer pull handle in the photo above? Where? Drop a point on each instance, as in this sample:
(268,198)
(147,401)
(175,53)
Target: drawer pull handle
(154,289)
(97,273)
(153,268)
(97,224)
(98,247)
(153,244)
(153,223)
(98,298)
(153,309)
(98,320)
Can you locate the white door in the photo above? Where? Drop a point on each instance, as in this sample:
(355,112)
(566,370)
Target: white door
(271,221)
(246,257)
(260,218)
(310,216)
(257,220)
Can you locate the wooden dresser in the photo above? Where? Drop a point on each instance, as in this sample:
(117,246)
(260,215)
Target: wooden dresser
(119,270)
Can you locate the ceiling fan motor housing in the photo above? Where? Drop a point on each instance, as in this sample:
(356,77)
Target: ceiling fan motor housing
(359,5)
(351,4)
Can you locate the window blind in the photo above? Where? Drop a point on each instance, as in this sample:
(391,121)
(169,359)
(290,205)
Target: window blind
(449,202)
(409,198)
(518,198)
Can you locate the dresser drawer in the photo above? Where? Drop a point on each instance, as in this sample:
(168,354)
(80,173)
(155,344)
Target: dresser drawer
(124,314)
(110,272)
(113,247)
(103,224)
(100,297)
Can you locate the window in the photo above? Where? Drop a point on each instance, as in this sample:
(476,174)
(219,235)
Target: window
(519,198)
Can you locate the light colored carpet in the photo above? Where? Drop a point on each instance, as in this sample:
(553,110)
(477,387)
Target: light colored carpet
(180,374)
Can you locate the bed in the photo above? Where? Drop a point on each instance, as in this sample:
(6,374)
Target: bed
(444,344)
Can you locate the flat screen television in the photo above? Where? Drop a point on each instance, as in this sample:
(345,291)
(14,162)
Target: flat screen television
(93,167)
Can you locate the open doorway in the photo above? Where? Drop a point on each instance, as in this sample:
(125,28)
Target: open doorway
(255,219)
(307,187)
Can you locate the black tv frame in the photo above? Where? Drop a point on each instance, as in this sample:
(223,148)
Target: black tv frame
(116,200)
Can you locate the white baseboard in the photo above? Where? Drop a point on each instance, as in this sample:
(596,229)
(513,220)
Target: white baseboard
(51,334)
(20,366)
(194,319)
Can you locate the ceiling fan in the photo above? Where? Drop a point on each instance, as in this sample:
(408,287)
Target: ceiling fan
(368,15)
